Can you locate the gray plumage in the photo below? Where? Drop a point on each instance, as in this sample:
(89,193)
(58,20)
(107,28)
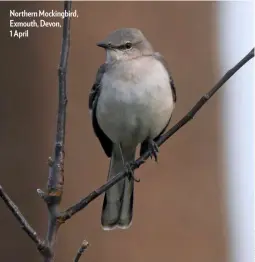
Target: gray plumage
(131,102)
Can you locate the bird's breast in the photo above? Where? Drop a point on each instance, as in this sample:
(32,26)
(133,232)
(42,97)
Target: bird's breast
(135,101)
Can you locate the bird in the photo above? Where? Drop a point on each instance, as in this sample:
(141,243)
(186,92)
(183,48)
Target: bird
(131,103)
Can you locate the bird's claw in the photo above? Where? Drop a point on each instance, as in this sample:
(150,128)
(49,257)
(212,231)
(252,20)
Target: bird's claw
(130,172)
(153,147)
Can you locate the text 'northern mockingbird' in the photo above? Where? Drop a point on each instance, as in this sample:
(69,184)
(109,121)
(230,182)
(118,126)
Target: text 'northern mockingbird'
(131,102)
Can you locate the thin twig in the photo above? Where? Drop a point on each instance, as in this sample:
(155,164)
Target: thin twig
(56,173)
(204,99)
(83,247)
(96,193)
(23,222)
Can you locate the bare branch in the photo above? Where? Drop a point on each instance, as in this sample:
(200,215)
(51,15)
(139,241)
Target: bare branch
(190,115)
(21,219)
(23,222)
(54,192)
(204,99)
(56,164)
(83,247)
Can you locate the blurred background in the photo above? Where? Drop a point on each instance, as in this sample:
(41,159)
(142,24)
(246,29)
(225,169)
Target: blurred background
(183,204)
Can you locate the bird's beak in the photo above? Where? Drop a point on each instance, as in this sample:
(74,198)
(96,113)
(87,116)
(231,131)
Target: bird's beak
(102,44)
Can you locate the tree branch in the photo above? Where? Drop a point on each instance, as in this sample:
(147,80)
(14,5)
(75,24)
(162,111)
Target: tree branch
(56,165)
(23,222)
(141,160)
(83,247)
(55,184)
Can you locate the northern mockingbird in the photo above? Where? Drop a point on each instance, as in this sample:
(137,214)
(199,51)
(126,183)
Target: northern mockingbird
(131,103)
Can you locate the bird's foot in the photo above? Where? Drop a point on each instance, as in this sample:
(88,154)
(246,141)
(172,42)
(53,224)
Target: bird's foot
(153,147)
(130,172)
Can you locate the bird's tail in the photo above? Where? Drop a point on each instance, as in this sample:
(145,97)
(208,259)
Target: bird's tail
(117,208)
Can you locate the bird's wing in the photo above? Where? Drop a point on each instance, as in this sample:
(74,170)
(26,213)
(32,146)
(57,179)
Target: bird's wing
(161,59)
(95,90)
(105,141)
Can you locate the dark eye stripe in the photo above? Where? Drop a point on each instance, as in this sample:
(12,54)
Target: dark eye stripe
(122,47)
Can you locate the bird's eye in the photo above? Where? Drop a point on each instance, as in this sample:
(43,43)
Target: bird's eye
(128,45)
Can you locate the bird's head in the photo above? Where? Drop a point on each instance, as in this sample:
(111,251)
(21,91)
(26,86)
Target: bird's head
(125,44)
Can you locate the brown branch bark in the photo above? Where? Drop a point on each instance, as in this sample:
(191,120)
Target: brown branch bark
(23,222)
(81,250)
(141,160)
(55,185)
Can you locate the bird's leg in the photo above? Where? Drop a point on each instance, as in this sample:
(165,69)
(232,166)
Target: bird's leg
(130,171)
(153,148)
(127,167)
